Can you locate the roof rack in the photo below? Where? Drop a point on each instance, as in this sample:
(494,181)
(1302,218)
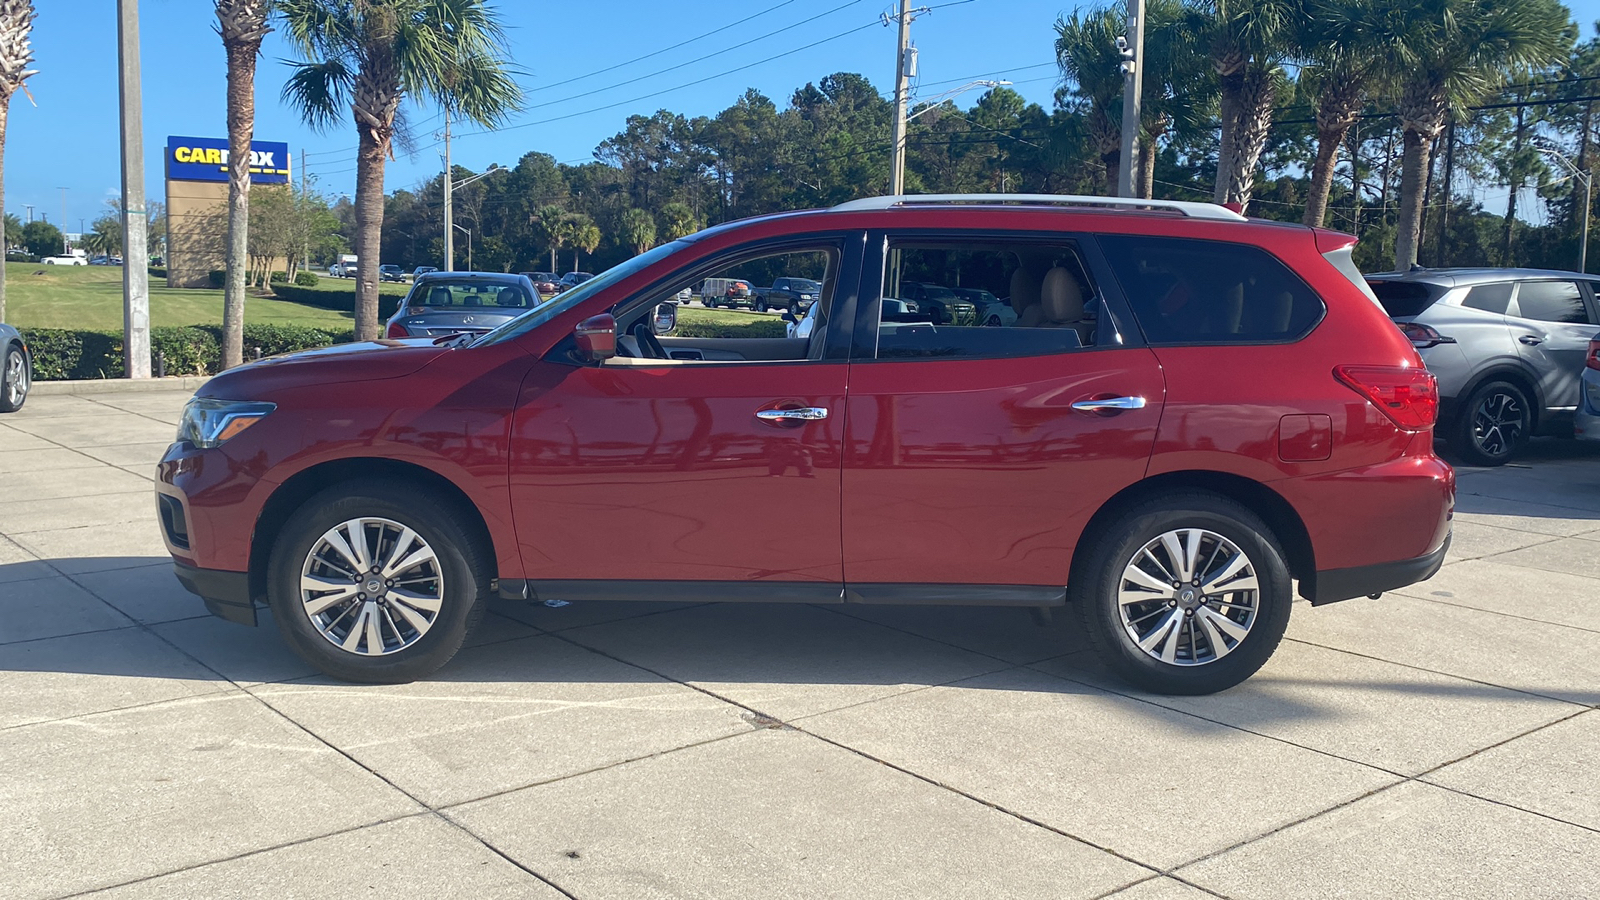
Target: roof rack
(1187,208)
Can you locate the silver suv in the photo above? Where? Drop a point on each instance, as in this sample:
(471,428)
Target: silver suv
(1507,346)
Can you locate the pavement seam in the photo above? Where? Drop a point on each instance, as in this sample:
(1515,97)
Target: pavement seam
(1418,668)
(222,688)
(1495,612)
(98,462)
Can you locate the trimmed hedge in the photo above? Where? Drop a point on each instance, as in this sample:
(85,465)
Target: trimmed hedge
(218,278)
(174,350)
(341,297)
(157,272)
(760,328)
(305,279)
(278,278)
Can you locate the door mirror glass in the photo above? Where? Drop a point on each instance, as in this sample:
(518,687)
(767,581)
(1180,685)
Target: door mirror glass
(665,317)
(597,338)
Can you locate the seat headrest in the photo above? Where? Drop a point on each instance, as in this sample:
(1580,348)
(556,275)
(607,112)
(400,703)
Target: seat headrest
(472,300)
(1062,297)
(508,297)
(1024,289)
(439,296)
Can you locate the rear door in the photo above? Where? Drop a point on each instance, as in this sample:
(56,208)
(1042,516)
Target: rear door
(1552,322)
(974,456)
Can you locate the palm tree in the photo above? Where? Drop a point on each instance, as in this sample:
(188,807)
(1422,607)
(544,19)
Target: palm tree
(677,220)
(1346,58)
(1451,52)
(1173,81)
(16,53)
(1086,51)
(1248,39)
(242,25)
(546,227)
(369,55)
(579,232)
(638,230)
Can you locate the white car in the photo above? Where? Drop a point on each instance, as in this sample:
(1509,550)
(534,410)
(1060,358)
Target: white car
(64,261)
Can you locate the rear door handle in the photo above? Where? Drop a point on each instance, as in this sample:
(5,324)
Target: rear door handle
(1530,340)
(804,414)
(1109,404)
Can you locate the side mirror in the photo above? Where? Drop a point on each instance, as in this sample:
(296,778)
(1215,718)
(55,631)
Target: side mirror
(597,338)
(665,317)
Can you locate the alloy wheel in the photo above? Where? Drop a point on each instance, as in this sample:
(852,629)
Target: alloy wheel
(1189,597)
(16,378)
(1497,424)
(371,586)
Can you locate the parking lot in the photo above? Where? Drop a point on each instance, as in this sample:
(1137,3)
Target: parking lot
(1441,741)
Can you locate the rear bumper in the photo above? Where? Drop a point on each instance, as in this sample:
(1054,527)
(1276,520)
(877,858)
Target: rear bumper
(227,594)
(1333,585)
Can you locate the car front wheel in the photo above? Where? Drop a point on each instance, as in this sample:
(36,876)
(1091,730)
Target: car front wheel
(375,583)
(15,379)
(1184,594)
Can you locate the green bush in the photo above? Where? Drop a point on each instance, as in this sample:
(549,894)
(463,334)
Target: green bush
(305,279)
(174,350)
(278,278)
(341,297)
(760,328)
(157,272)
(219,278)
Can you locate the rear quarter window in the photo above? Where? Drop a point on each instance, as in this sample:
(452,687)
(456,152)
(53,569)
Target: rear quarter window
(1188,291)
(1402,299)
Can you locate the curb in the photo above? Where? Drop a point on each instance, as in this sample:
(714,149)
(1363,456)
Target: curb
(117,385)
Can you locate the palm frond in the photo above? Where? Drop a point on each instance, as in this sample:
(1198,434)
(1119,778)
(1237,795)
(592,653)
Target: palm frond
(319,91)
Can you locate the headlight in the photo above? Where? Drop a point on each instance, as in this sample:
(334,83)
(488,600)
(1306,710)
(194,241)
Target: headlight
(211,423)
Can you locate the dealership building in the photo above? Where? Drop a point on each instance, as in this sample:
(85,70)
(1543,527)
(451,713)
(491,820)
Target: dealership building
(197,202)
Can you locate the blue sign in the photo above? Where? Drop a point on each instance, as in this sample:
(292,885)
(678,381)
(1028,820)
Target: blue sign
(206,159)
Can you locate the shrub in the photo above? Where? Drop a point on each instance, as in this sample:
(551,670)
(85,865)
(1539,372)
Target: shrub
(157,272)
(278,278)
(341,297)
(219,278)
(174,350)
(760,328)
(305,279)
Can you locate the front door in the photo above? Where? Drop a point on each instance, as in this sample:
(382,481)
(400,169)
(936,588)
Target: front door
(974,454)
(1552,322)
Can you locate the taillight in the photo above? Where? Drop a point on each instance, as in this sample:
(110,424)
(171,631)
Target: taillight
(396,330)
(1592,358)
(1408,396)
(1423,336)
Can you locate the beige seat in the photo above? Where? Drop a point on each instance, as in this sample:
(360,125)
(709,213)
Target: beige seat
(1025,289)
(1061,303)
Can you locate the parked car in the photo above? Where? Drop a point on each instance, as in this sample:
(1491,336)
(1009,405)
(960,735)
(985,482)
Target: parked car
(1207,409)
(391,273)
(344,267)
(422,270)
(940,303)
(727,292)
(1586,421)
(573,279)
(788,293)
(988,309)
(1506,344)
(447,303)
(16,369)
(544,282)
(65,259)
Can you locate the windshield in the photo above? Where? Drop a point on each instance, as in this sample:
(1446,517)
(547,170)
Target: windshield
(562,302)
(805,284)
(447,293)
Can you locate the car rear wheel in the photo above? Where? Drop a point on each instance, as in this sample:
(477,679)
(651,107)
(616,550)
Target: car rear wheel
(375,583)
(1493,425)
(1184,594)
(15,379)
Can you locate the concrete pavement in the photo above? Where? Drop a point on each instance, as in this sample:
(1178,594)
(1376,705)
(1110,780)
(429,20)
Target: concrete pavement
(1441,741)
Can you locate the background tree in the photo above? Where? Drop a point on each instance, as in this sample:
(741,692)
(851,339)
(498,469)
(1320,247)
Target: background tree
(579,232)
(370,56)
(1345,56)
(1248,41)
(105,233)
(547,230)
(242,25)
(1086,52)
(638,230)
(41,238)
(16,54)
(13,231)
(1451,52)
(676,220)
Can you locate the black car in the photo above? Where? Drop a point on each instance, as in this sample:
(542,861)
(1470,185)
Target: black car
(443,303)
(391,273)
(16,369)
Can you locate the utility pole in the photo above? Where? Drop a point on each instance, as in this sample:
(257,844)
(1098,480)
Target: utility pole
(135,259)
(904,69)
(449,206)
(305,209)
(30,212)
(1131,49)
(65,247)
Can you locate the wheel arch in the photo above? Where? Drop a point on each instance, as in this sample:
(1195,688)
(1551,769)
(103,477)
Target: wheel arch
(300,487)
(1514,374)
(1278,514)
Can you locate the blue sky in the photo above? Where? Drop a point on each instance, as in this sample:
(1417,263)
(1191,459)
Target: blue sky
(69,139)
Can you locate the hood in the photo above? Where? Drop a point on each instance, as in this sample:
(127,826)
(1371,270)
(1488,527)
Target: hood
(365,361)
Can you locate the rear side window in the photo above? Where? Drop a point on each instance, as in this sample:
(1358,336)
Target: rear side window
(1402,299)
(1186,291)
(1491,298)
(1551,301)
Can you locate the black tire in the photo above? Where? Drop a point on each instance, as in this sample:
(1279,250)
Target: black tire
(1097,580)
(14,367)
(1492,425)
(439,521)
(761,306)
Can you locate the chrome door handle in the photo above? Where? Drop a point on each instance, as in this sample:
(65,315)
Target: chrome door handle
(1110,403)
(804,414)
(1530,340)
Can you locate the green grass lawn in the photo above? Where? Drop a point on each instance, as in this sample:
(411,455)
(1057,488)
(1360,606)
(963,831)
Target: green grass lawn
(90,298)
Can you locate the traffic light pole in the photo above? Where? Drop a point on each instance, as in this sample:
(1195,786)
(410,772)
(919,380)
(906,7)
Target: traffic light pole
(1131,49)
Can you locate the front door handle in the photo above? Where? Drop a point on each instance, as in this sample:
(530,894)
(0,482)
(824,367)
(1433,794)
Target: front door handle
(803,414)
(1109,404)
(1530,340)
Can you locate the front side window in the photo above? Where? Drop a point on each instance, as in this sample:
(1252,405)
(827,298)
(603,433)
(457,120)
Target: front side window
(1187,291)
(982,299)
(1551,301)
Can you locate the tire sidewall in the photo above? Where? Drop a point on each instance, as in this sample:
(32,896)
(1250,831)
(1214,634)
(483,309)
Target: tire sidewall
(5,380)
(1132,532)
(1466,445)
(461,606)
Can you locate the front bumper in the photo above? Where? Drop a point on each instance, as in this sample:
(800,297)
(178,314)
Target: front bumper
(1333,585)
(227,594)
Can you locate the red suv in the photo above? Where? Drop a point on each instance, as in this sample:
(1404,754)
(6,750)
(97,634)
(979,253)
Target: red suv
(1190,410)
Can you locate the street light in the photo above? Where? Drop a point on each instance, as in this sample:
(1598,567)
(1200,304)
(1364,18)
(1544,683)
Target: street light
(1587,179)
(469,244)
(897,174)
(450,209)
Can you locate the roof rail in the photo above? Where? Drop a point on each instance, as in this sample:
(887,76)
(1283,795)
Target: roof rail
(1189,208)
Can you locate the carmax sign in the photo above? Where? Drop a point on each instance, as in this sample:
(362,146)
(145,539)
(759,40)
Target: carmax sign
(206,159)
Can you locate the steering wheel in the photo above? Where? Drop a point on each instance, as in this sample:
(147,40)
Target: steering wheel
(649,347)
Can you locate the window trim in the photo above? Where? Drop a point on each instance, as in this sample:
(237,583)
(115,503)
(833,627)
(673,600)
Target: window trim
(1310,329)
(1583,297)
(1112,333)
